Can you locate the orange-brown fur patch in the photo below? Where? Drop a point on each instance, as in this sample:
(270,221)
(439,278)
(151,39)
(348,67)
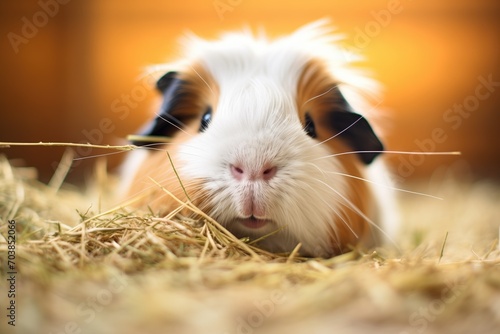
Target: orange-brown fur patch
(316,96)
(200,92)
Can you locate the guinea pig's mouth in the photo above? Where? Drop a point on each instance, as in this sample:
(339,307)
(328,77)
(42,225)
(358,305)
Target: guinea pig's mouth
(253,223)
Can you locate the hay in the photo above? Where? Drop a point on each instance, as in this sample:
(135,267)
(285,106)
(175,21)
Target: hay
(82,269)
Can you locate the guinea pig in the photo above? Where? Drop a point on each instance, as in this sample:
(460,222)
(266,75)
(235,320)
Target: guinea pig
(265,137)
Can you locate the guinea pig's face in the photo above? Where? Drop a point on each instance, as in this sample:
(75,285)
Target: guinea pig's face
(259,138)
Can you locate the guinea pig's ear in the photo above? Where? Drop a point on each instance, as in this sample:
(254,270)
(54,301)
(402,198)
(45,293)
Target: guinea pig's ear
(164,125)
(355,130)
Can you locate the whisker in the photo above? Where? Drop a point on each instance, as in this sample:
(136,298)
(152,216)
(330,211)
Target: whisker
(337,213)
(320,95)
(150,146)
(386,186)
(113,153)
(360,213)
(157,140)
(338,134)
(173,124)
(360,118)
(206,83)
(391,152)
(96,156)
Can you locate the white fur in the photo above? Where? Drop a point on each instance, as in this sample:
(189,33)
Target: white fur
(257,122)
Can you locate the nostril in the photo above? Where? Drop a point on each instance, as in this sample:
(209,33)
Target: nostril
(269,173)
(237,172)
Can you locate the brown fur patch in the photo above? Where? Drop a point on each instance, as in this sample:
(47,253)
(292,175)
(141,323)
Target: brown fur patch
(316,90)
(316,96)
(351,228)
(202,89)
(199,92)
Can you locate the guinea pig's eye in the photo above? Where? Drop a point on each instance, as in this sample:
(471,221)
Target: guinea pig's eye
(205,119)
(309,126)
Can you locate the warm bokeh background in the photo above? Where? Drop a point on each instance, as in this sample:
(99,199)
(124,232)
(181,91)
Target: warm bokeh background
(74,70)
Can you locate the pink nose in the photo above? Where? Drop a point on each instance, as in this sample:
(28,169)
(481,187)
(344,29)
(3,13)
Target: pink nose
(265,173)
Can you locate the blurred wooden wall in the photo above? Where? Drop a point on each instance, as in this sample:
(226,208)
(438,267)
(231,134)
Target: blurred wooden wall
(74,75)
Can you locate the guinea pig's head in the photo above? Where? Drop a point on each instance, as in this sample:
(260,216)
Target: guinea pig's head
(265,142)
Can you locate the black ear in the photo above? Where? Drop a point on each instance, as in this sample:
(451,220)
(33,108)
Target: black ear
(357,132)
(164,125)
(354,129)
(165,81)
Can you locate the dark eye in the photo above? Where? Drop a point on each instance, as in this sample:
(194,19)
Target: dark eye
(309,126)
(205,119)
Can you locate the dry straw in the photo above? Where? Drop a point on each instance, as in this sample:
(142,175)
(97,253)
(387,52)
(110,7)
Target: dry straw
(187,274)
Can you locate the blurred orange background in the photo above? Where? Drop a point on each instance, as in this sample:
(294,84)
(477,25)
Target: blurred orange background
(68,66)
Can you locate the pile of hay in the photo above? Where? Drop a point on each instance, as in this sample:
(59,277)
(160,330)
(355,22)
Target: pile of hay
(84,270)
